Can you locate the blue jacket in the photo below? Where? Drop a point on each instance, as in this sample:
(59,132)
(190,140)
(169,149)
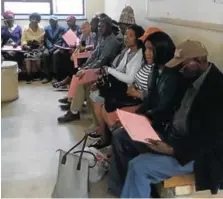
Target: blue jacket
(53,36)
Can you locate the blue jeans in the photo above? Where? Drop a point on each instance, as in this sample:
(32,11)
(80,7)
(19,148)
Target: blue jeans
(134,167)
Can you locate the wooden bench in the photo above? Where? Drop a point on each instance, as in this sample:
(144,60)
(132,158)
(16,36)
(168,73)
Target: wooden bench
(183,186)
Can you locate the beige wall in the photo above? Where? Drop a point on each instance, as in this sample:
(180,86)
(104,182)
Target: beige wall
(213,40)
(92,7)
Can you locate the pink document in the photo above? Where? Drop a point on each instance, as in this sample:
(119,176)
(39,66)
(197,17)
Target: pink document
(11,48)
(137,126)
(61,47)
(89,76)
(70,38)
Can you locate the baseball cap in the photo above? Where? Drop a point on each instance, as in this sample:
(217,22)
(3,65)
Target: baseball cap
(187,50)
(149,31)
(53,17)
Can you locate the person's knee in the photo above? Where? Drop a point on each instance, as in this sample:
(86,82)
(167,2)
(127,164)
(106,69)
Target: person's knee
(137,165)
(46,53)
(118,137)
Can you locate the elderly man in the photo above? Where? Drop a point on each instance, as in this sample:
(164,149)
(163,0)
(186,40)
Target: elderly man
(106,50)
(53,35)
(193,141)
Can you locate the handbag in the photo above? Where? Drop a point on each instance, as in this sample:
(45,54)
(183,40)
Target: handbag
(73,173)
(114,92)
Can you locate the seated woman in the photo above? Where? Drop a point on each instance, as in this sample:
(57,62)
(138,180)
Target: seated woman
(125,67)
(32,42)
(11,35)
(161,84)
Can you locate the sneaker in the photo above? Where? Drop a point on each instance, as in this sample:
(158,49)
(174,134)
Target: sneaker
(64,100)
(68,117)
(65,107)
(94,135)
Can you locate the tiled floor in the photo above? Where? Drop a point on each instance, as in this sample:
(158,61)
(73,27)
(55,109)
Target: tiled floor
(30,138)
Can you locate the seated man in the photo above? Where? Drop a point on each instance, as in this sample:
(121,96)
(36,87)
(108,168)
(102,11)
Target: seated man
(106,50)
(192,142)
(63,66)
(53,35)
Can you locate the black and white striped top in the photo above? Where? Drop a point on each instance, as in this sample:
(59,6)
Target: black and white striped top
(141,78)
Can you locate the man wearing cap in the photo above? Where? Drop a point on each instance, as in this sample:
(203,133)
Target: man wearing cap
(107,49)
(194,139)
(53,35)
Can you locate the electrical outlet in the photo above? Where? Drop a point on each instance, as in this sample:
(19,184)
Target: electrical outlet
(218,1)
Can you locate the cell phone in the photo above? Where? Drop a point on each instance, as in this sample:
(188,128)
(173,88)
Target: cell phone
(83,43)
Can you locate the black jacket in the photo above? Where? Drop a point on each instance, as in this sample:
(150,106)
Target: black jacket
(165,92)
(204,139)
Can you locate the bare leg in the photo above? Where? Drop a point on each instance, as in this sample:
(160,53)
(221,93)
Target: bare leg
(99,116)
(28,64)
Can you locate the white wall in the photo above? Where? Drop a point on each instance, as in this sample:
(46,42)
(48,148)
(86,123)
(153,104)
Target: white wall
(213,40)
(92,7)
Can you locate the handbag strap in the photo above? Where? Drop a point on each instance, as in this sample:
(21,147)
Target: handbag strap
(95,158)
(84,139)
(82,151)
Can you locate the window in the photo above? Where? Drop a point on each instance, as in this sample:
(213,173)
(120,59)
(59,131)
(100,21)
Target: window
(45,7)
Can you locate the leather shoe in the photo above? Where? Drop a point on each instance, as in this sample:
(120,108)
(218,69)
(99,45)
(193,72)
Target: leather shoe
(68,117)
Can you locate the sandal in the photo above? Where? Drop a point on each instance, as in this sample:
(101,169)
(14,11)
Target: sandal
(56,84)
(99,144)
(94,135)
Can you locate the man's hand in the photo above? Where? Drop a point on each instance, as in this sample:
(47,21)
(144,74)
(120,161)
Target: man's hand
(160,146)
(80,73)
(131,91)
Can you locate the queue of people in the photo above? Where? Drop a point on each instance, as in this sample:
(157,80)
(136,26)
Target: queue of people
(142,72)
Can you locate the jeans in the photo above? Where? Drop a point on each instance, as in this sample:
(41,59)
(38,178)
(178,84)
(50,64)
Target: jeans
(134,167)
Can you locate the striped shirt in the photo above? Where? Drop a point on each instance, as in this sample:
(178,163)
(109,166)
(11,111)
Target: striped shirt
(141,78)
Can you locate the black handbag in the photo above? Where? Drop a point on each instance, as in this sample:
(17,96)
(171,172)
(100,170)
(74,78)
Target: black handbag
(114,92)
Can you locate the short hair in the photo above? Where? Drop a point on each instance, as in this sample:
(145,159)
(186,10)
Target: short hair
(163,47)
(85,22)
(35,15)
(139,31)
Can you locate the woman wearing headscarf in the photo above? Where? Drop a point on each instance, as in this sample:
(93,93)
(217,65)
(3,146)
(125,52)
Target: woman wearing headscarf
(126,19)
(32,42)
(11,35)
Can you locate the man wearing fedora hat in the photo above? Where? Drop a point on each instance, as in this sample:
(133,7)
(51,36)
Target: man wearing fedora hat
(192,142)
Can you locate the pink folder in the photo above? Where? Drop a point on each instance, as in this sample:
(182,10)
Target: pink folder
(70,38)
(137,126)
(90,76)
(61,47)
(80,56)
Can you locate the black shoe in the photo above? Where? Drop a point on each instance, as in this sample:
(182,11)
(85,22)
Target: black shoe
(94,135)
(65,107)
(68,117)
(29,82)
(64,100)
(99,144)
